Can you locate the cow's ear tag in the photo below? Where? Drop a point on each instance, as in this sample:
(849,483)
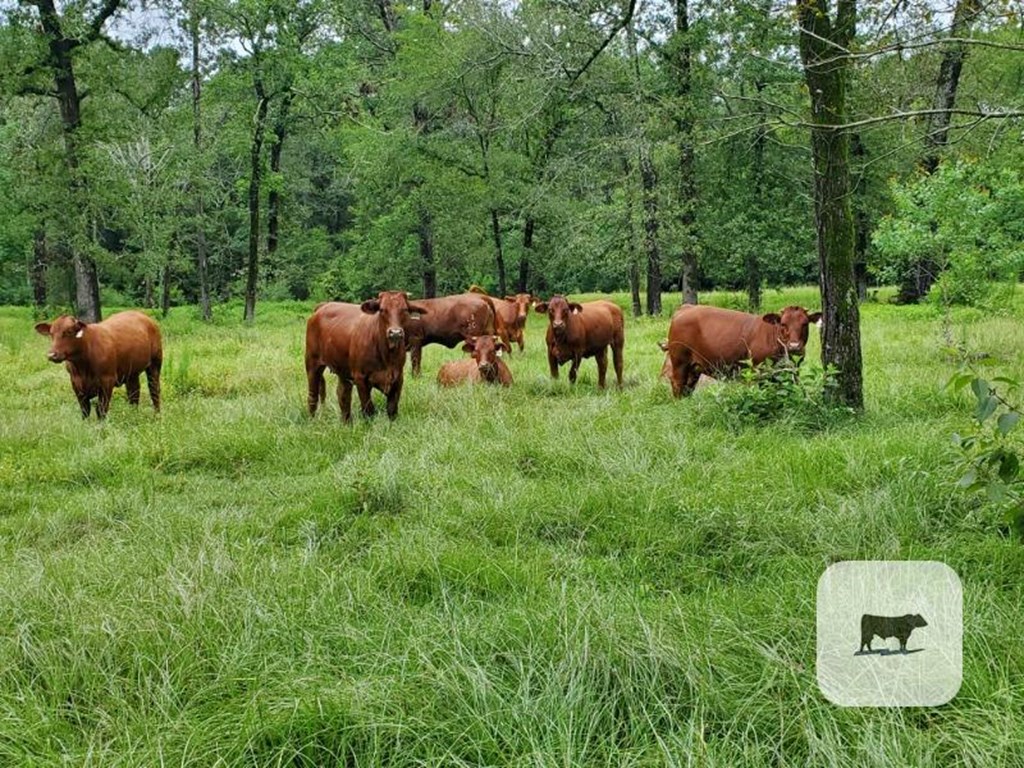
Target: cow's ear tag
(498,353)
(819,322)
(80,334)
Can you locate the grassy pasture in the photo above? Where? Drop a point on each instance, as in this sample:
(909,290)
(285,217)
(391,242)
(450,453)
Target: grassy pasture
(539,576)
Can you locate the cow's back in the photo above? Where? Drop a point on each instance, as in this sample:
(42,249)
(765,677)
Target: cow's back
(129,341)
(715,336)
(337,337)
(604,323)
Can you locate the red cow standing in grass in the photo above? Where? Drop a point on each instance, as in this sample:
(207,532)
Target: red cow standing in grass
(364,344)
(512,312)
(576,331)
(104,355)
(713,341)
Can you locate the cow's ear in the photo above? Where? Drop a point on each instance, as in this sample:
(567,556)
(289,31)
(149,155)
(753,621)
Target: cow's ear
(371,307)
(815,317)
(771,318)
(576,308)
(663,346)
(510,298)
(43,329)
(418,309)
(501,346)
(470,345)
(79,329)
(541,307)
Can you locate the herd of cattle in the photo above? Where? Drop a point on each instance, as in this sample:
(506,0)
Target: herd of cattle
(365,344)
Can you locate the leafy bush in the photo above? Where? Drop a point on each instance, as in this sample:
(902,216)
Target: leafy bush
(965,220)
(991,452)
(780,391)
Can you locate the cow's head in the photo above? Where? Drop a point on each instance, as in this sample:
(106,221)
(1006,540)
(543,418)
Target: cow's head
(485,350)
(395,312)
(558,310)
(791,325)
(523,302)
(917,620)
(67,336)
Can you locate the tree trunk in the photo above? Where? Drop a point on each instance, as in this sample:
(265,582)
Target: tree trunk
(255,168)
(633,246)
(919,276)
(197,142)
(752,260)
(426,234)
(165,290)
(860,219)
(649,182)
(499,257)
(274,197)
(147,292)
(37,271)
(826,75)
(687,179)
(524,260)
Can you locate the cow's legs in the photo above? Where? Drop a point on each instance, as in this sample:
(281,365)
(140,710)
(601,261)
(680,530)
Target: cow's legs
(153,381)
(416,355)
(617,360)
(574,369)
(365,397)
(553,365)
(132,387)
(103,402)
(83,403)
(602,366)
(520,340)
(317,386)
(345,399)
(393,395)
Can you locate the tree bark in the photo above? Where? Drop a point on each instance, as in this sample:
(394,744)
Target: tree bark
(822,36)
(165,290)
(686,181)
(649,182)
(426,235)
(274,197)
(255,179)
(524,260)
(197,142)
(499,256)
(633,246)
(59,60)
(860,219)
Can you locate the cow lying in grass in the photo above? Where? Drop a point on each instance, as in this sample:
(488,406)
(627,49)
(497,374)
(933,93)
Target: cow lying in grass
(484,364)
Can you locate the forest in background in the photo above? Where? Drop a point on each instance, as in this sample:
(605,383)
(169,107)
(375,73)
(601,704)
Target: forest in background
(199,151)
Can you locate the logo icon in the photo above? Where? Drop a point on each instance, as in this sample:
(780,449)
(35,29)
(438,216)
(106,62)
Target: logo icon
(875,646)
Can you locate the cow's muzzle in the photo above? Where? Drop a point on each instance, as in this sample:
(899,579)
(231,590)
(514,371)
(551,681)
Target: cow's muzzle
(54,357)
(395,335)
(487,369)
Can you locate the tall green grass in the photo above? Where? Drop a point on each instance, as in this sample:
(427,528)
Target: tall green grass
(540,576)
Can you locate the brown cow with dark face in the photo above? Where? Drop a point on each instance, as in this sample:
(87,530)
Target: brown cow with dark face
(104,355)
(711,340)
(450,320)
(364,344)
(576,331)
(485,364)
(512,312)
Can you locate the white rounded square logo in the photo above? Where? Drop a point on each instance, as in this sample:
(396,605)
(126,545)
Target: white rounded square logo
(890,633)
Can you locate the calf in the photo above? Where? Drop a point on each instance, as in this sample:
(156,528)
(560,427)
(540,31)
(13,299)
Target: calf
(364,344)
(485,364)
(450,320)
(711,340)
(576,331)
(104,355)
(511,314)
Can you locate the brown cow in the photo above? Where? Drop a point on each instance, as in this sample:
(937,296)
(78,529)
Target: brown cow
(576,331)
(485,364)
(511,314)
(364,345)
(450,320)
(703,339)
(104,355)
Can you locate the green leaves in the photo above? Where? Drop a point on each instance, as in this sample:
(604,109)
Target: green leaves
(991,456)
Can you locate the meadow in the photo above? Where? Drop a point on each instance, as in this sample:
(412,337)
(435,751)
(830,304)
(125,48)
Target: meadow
(534,577)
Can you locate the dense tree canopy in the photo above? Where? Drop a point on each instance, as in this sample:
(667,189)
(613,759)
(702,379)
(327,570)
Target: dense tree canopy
(331,148)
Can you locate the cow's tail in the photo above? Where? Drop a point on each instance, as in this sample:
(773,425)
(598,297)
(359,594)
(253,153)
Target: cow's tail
(477,289)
